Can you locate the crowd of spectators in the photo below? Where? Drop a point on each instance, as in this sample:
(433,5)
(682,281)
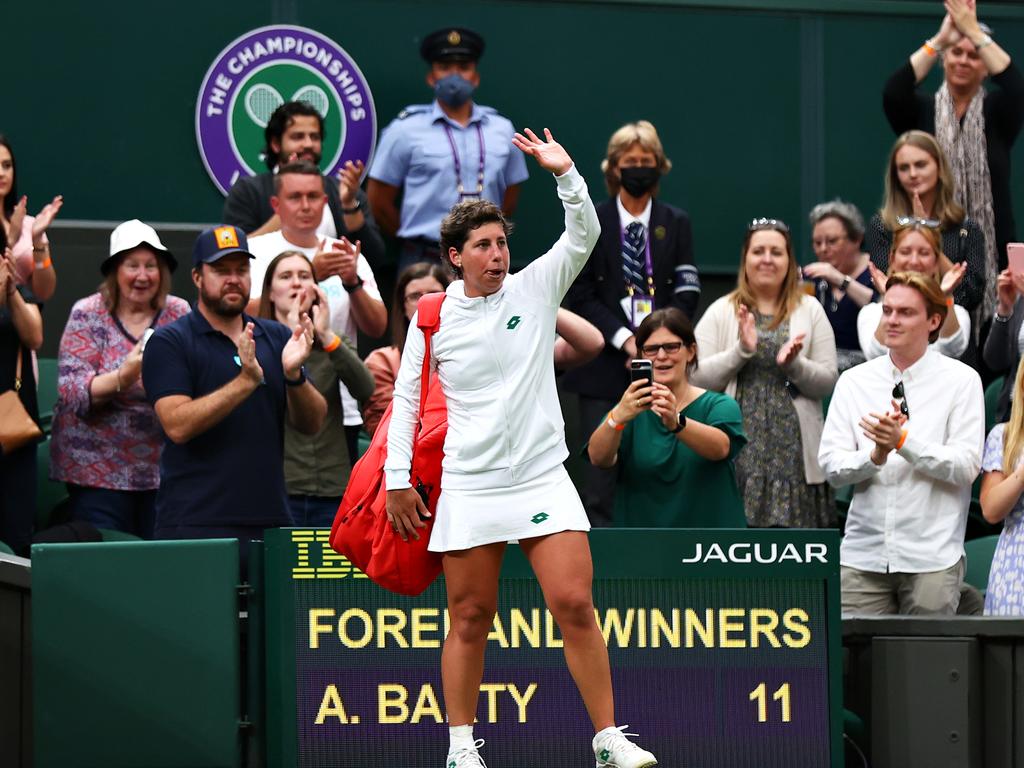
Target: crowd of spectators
(858,369)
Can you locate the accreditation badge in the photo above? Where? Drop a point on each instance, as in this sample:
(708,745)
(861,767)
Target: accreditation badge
(642,307)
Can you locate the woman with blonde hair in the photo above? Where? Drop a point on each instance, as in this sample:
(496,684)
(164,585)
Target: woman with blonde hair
(919,187)
(771,347)
(1002,500)
(642,262)
(917,248)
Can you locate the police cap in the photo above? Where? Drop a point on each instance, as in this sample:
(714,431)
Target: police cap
(452,44)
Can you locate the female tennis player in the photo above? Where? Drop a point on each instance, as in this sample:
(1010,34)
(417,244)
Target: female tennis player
(502,476)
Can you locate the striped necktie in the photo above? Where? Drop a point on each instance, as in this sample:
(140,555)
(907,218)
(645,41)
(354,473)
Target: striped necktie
(633,257)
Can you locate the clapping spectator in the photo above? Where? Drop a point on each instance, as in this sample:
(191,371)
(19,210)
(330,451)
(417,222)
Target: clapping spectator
(1002,486)
(770,347)
(975,127)
(917,248)
(919,186)
(642,262)
(21,332)
(1004,344)
(842,281)
(672,443)
(316,467)
(26,235)
(106,438)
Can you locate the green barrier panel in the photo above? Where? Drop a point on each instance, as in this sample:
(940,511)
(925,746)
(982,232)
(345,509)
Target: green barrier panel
(136,654)
(725,649)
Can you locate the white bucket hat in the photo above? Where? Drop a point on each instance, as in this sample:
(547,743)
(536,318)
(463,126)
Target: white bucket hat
(131,235)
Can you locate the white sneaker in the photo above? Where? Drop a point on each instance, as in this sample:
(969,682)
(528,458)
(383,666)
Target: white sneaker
(466,757)
(613,750)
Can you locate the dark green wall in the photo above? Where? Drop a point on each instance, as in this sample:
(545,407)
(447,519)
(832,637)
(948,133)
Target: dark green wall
(765,108)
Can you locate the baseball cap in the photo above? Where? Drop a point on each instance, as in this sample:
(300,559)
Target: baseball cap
(131,235)
(216,242)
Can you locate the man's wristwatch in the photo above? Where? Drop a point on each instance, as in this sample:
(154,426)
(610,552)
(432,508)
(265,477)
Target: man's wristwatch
(354,209)
(845,284)
(354,287)
(299,381)
(681,423)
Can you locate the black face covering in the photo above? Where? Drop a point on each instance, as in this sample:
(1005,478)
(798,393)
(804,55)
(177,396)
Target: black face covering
(639,181)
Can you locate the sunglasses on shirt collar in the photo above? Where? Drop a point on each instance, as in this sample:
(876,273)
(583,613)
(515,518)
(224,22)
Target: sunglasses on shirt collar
(898,394)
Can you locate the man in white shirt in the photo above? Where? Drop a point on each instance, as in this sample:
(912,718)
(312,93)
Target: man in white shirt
(342,271)
(907,430)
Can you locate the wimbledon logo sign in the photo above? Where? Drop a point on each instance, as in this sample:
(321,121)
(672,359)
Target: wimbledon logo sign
(261,70)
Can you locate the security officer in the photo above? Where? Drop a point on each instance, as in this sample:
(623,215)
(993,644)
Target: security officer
(444,152)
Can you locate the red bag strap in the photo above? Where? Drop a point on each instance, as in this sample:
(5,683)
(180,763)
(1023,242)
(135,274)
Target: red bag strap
(428,320)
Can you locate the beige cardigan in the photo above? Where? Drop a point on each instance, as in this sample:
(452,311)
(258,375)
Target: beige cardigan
(813,371)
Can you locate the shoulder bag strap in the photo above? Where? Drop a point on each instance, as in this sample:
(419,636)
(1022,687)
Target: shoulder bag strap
(428,319)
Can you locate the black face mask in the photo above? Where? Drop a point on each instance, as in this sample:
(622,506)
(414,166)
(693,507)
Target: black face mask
(639,181)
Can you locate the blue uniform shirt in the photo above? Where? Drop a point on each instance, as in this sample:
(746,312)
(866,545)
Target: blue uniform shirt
(232,474)
(416,155)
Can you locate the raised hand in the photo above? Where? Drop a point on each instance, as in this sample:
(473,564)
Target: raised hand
(340,259)
(322,318)
(1006,293)
(131,368)
(6,280)
(885,430)
(953,277)
(919,211)
(297,350)
(748,328)
(251,368)
(878,278)
(663,403)
(46,216)
(348,182)
(301,304)
(789,350)
(948,35)
(550,155)
(17,220)
(636,398)
(965,15)
(824,271)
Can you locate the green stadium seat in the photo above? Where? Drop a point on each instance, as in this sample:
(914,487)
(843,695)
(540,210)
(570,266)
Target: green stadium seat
(6,549)
(979,560)
(49,493)
(109,534)
(991,401)
(364,442)
(47,391)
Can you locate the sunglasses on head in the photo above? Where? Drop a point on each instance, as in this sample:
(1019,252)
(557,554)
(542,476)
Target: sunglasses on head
(912,221)
(762,223)
(898,394)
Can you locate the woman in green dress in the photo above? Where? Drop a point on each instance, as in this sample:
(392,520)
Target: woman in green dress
(674,443)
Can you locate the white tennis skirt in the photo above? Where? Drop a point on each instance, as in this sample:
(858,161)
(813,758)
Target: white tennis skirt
(470,518)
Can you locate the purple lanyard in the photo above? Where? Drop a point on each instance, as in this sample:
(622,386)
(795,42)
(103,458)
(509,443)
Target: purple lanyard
(458,163)
(648,264)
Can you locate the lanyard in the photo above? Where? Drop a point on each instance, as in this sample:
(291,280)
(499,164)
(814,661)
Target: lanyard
(648,265)
(458,163)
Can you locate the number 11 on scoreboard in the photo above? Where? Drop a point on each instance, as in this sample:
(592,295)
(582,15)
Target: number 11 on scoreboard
(781,694)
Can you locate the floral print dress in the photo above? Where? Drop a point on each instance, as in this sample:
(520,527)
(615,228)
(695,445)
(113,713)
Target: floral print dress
(1005,594)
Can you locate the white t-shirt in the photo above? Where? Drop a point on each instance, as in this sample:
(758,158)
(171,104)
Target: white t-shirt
(266,247)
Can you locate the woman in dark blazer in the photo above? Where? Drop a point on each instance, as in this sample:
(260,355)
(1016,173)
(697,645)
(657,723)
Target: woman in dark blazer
(643,261)
(1002,350)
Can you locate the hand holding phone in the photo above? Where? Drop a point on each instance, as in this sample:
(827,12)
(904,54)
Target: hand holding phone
(1015,257)
(641,369)
(145,338)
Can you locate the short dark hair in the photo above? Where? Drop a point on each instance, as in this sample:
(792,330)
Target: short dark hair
(299,167)
(399,322)
(283,117)
(12,197)
(673,320)
(462,219)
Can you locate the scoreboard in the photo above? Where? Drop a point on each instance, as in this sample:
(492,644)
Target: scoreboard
(724,644)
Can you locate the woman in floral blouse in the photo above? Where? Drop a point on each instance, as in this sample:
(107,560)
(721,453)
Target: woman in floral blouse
(106,438)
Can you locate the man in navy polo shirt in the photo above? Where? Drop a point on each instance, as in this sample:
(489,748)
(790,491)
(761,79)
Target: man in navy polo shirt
(221,383)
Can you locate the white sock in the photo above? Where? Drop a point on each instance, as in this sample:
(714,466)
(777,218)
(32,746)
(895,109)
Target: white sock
(460,736)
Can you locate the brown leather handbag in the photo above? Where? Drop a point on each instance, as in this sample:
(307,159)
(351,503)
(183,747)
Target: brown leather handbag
(17,428)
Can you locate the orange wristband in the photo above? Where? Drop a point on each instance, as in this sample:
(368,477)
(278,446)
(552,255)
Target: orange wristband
(929,50)
(903,439)
(334,344)
(47,262)
(613,423)
(949,302)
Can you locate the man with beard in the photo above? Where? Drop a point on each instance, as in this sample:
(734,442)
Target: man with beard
(221,383)
(443,153)
(295,133)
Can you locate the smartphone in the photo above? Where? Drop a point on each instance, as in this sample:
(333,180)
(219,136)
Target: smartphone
(641,369)
(145,338)
(1015,257)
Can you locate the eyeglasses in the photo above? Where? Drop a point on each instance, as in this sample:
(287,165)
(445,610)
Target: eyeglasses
(916,221)
(897,394)
(777,224)
(652,350)
(828,242)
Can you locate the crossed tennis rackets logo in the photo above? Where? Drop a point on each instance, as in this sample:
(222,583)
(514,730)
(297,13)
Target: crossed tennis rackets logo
(262,99)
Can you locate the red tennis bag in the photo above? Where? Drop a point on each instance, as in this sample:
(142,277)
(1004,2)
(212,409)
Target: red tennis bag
(361,530)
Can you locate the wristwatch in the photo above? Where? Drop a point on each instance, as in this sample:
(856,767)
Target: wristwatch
(354,287)
(681,425)
(845,284)
(299,381)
